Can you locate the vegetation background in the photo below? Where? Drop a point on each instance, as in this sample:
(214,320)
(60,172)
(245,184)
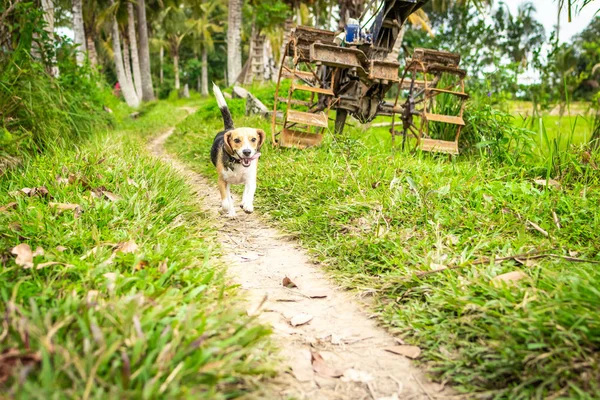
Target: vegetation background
(118,291)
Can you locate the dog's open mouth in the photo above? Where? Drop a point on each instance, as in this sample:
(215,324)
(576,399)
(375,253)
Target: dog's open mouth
(248,160)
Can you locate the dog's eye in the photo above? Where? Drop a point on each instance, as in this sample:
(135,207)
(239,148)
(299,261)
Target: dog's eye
(237,140)
(254,139)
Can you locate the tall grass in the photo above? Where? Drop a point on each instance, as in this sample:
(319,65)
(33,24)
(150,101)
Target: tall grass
(378,222)
(40,111)
(159,320)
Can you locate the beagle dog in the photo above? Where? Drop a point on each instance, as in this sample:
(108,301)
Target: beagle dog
(235,154)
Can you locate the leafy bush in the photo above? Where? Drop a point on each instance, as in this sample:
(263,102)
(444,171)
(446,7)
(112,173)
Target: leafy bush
(491,133)
(39,111)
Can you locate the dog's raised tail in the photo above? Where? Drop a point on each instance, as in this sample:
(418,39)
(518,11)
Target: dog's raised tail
(227,120)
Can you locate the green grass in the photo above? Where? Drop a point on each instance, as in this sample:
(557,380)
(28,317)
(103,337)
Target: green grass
(375,220)
(161,321)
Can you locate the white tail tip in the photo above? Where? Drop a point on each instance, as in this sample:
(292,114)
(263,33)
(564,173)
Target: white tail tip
(219,96)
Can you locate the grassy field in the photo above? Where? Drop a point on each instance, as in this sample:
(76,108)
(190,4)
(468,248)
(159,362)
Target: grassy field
(382,224)
(122,296)
(575,126)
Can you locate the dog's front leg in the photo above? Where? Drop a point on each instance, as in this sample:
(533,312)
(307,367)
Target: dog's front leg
(226,201)
(248,197)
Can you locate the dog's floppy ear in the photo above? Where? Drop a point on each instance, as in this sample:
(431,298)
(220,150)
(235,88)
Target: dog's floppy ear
(226,144)
(261,137)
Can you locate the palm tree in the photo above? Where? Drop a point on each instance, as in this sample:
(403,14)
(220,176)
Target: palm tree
(234,40)
(202,30)
(144,52)
(79,31)
(175,21)
(126,85)
(91,24)
(135,61)
(48,7)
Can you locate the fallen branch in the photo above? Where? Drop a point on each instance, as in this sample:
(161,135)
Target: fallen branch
(526,256)
(538,228)
(523,256)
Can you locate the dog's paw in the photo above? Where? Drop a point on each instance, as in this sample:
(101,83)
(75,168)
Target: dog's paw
(231,214)
(248,208)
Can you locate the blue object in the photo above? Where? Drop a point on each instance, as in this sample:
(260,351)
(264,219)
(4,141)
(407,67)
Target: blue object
(352,33)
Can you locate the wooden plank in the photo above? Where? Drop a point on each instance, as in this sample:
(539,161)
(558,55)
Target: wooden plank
(294,101)
(440,146)
(460,94)
(286,73)
(406,84)
(447,119)
(305,118)
(299,139)
(312,89)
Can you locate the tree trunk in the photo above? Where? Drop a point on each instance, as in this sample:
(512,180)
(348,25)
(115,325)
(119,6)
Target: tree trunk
(350,9)
(144,52)
(48,7)
(162,57)
(91,49)
(234,41)
(127,63)
(176,68)
(126,88)
(79,31)
(204,71)
(135,61)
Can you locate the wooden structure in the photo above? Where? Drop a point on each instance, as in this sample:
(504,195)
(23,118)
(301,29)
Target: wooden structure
(321,71)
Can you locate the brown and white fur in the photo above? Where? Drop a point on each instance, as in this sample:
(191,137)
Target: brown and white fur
(235,153)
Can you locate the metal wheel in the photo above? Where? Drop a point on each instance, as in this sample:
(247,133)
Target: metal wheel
(433,110)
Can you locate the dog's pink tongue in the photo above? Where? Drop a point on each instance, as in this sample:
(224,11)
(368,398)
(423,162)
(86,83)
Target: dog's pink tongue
(254,157)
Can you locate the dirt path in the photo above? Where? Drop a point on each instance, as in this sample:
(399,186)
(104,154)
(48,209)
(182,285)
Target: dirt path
(259,257)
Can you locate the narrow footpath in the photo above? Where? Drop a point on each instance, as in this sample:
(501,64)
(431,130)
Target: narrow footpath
(317,326)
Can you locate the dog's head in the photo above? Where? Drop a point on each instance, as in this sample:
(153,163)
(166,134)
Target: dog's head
(244,144)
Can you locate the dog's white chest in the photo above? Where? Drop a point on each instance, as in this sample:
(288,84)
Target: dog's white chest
(239,174)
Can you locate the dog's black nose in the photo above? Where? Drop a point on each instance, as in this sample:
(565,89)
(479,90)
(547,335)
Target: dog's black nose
(247,152)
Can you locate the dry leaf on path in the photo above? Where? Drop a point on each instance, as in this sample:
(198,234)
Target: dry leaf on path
(509,277)
(38,191)
(66,206)
(300,319)
(38,251)
(24,255)
(61,180)
(10,359)
(9,206)
(288,283)
(132,182)
(111,196)
(406,350)
(320,366)
(163,267)
(127,247)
